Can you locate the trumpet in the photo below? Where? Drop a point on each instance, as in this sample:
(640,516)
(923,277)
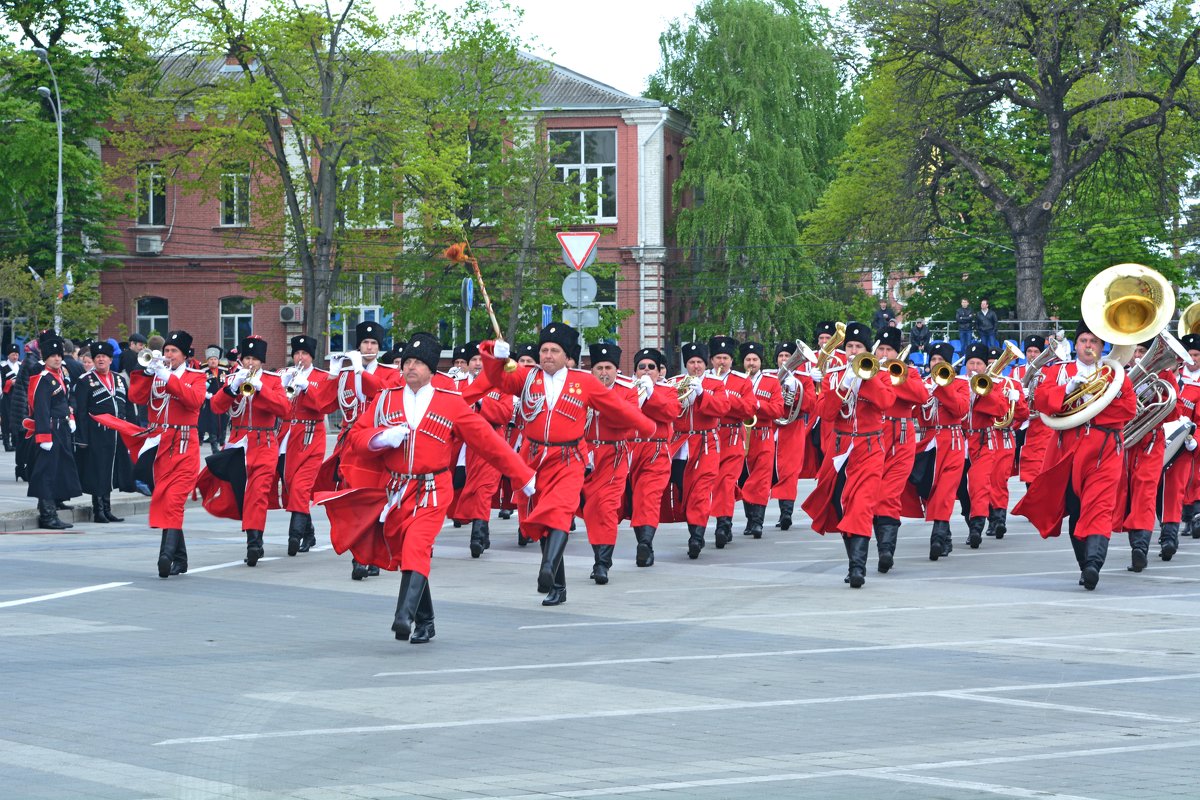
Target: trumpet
(864,365)
(943,373)
(983,383)
(146,358)
(897,367)
(247,388)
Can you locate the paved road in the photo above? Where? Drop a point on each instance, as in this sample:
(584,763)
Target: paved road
(752,672)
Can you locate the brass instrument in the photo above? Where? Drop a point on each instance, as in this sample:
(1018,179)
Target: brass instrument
(1155,397)
(247,388)
(684,386)
(831,346)
(147,357)
(897,367)
(1123,305)
(864,366)
(1189,321)
(943,374)
(983,383)
(1061,351)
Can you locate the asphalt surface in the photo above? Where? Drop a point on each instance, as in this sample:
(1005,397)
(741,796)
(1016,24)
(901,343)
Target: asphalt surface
(753,671)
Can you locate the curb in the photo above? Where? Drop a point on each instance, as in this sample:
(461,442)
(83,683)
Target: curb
(81,513)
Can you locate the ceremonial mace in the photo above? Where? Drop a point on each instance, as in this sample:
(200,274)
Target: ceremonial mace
(457,253)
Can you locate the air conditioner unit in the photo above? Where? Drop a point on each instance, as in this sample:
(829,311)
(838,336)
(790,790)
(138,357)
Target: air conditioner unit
(291,313)
(148,245)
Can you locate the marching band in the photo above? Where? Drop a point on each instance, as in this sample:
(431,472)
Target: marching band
(1102,438)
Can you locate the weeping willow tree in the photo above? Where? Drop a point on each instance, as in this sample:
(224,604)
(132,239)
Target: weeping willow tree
(769,109)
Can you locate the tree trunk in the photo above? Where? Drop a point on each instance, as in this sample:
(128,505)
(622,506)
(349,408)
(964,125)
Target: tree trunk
(1030,253)
(523,258)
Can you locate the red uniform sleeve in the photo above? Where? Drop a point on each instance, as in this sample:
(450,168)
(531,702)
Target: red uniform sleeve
(615,407)
(714,401)
(188,390)
(913,391)
(663,404)
(271,397)
(495,411)
(139,387)
(953,398)
(484,441)
(878,391)
(507,382)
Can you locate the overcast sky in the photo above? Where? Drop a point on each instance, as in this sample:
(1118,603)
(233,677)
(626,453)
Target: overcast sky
(614,42)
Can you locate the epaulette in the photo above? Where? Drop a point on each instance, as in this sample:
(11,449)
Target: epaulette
(625,381)
(739,374)
(772,375)
(454,392)
(192,369)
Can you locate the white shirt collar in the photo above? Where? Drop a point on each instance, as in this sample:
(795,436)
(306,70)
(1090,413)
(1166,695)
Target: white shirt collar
(416,404)
(553,384)
(1084,370)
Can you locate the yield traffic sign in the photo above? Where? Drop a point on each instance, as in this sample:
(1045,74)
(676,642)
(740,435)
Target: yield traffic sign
(579,247)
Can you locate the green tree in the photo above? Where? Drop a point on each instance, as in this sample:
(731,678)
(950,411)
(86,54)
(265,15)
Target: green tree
(318,103)
(82,40)
(1019,101)
(769,111)
(504,195)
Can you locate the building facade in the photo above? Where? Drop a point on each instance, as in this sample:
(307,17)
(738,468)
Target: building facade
(187,260)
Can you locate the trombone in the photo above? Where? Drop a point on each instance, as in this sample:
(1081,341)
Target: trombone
(983,383)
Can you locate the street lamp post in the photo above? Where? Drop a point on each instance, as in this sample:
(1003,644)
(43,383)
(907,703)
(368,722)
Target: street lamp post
(56,104)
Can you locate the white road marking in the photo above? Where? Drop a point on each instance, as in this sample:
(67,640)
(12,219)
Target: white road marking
(1104,712)
(975,786)
(720,588)
(68,593)
(856,611)
(638,712)
(227,565)
(672,659)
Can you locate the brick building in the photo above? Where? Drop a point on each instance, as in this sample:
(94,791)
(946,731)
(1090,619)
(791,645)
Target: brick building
(186,258)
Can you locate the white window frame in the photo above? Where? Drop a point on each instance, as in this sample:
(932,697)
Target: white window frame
(149,177)
(359,298)
(586,172)
(235,198)
(146,324)
(236,318)
(357,198)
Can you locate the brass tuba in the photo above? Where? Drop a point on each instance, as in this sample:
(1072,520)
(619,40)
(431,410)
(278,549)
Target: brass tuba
(1189,321)
(1123,305)
(1155,396)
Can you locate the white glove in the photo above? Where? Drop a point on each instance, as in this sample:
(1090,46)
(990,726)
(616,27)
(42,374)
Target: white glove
(71,424)
(392,437)
(162,372)
(790,383)
(1075,383)
(1190,444)
(208,395)
(355,359)
(697,389)
(257,382)
(301,384)
(239,378)
(46,446)
(1013,395)
(501,350)
(850,380)
(646,385)
(285,380)
(529,488)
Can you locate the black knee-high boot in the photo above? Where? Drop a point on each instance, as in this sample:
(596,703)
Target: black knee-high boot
(423,621)
(785,514)
(558,591)
(1095,552)
(254,547)
(412,586)
(106,507)
(1139,545)
(295,534)
(555,543)
(645,547)
(857,548)
(98,510)
(1168,540)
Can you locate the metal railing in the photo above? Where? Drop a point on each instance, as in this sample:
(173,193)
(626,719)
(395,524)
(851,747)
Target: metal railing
(1006,329)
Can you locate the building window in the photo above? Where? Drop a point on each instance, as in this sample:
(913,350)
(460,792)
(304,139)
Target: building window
(237,321)
(235,195)
(359,298)
(367,204)
(152,316)
(589,158)
(151,194)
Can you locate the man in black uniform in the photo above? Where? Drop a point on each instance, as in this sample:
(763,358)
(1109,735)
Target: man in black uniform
(53,477)
(8,377)
(213,426)
(103,459)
